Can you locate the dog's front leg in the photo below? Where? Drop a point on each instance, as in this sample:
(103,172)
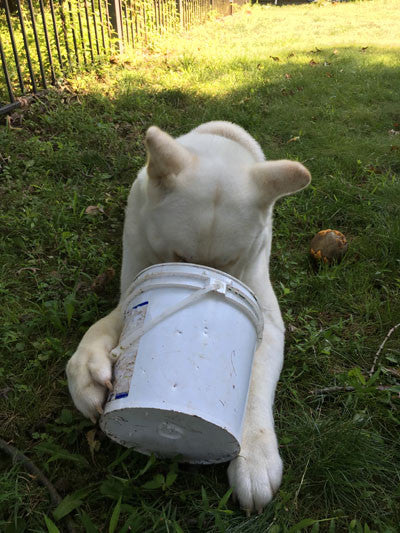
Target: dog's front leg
(255,475)
(89,370)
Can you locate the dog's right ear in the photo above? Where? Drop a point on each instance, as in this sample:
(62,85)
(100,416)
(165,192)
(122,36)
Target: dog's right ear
(275,179)
(166,157)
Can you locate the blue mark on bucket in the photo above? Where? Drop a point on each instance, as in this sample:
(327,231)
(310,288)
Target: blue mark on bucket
(140,305)
(121,395)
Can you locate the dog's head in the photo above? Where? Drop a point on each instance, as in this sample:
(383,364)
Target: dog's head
(210,198)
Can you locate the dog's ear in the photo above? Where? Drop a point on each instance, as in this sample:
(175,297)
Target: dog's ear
(279,178)
(166,157)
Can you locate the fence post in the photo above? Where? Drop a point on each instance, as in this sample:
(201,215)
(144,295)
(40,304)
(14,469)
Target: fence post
(179,11)
(114,8)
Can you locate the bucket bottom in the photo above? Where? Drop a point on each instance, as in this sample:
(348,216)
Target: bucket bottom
(170,434)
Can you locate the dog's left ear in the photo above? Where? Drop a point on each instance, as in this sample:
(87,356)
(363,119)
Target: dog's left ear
(279,178)
(166,157)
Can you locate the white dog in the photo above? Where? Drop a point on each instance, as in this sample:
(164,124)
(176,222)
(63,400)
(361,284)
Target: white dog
(206,198)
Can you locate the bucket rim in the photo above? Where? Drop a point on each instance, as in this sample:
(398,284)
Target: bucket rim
(184,265)
(250,298)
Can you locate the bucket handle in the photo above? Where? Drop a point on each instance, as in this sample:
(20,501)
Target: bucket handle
(213,285)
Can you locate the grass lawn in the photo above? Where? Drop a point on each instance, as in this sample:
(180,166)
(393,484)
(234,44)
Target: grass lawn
(318,83)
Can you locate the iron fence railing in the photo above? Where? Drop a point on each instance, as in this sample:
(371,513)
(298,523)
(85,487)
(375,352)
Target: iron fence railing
(43,40)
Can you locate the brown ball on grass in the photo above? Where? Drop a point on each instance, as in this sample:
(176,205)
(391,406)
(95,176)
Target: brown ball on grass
(328,246)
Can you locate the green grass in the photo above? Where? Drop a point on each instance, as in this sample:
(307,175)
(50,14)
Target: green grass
(82,146)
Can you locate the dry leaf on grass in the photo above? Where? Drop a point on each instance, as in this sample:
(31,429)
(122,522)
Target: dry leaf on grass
(94,210)
(290,92)
(374,169)
(24,102)
(94,445)
(102,280)
(31,269)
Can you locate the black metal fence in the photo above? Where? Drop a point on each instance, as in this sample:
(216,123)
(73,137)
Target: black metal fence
(43,40)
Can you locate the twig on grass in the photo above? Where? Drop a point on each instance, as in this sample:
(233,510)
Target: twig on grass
(381,348)
(392,371)
(301,483)
(329,390)
(19,457)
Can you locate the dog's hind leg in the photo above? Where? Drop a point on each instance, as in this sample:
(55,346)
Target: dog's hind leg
(89,370)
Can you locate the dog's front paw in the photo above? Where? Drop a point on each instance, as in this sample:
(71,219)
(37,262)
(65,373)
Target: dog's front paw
(255,475)
(89,375)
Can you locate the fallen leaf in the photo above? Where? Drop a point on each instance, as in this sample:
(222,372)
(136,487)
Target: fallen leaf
(288,76)
(31,269)
(293,139)
(16,119)
(9,123)
(375,170)
(81,286)
(4,392)
(94,445)
(102,280)
(394,132)
(31,189)
(312,63)
(291,54)
(94,210)
(364,48)
(23,101)
(326,63)
(328,75)
(335,52)
(394,148)
(316,51)
(275,58)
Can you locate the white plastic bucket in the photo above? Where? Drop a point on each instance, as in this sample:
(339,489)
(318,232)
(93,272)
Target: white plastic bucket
(185,355)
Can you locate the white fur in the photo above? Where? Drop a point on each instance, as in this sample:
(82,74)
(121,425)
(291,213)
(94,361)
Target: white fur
(205,198)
